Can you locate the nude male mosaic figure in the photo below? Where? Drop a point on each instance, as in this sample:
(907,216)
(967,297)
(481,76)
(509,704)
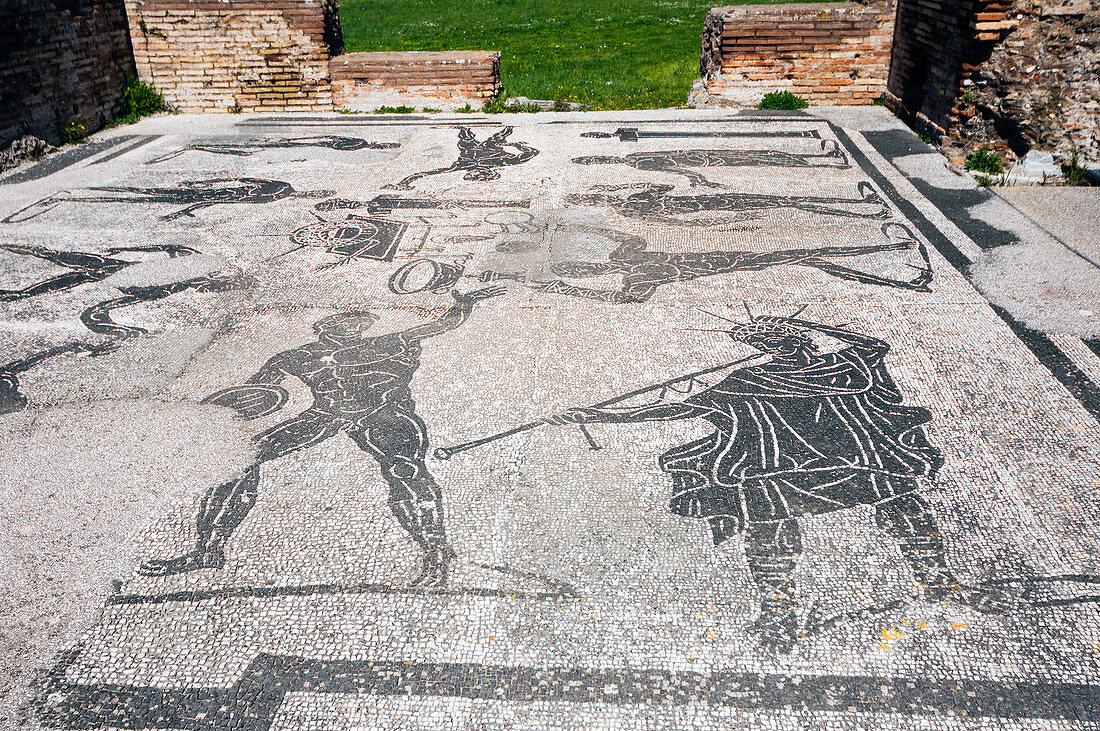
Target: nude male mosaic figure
(360,388)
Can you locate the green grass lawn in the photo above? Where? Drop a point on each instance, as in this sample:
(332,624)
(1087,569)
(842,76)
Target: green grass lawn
(608,54)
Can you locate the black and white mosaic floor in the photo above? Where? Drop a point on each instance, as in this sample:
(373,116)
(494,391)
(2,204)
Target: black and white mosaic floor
(570,421)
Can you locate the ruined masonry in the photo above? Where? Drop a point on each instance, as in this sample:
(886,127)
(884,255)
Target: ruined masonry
(827,53)
(1015,74)
(242,55)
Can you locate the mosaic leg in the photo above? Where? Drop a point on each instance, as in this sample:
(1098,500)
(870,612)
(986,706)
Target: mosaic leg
(912,522)
(225,506)
(772,550)
(398,440)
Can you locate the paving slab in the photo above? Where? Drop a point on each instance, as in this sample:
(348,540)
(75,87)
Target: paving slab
(643,420)
(1072,213)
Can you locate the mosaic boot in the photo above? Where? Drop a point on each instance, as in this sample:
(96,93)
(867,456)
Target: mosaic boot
(424,522)
(223,509)
(910,520)
(772,551)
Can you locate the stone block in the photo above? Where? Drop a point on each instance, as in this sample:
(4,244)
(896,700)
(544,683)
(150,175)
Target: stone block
(812,49)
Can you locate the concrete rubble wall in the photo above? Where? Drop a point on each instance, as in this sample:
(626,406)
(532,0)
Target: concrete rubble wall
(1041,86)
(62,62)
(1016,74)
(230,55)
(366,81)
(827,53)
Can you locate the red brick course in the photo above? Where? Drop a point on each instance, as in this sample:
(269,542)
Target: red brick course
(827,53)
(60,63)
(230,55)
(362,81)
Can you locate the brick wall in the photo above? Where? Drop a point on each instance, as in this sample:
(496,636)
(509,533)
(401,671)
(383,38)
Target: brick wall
(61,62)
(827,53)
(446,79)
(1015,74)
(248,55)
(935,44)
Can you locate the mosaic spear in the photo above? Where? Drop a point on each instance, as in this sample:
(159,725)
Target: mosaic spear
(448,452)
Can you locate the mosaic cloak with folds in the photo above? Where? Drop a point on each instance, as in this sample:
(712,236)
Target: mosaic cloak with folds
(798,439)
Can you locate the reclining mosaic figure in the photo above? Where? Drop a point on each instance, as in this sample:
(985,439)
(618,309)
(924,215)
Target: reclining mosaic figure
(477,159)
(245,149)
(644,271)
(86,268)
(360,387)
(806,433)
(655,203)
(194,195)
(681,162)
(98,319)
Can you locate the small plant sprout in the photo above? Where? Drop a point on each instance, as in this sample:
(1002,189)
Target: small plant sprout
(782,100)
(984,160)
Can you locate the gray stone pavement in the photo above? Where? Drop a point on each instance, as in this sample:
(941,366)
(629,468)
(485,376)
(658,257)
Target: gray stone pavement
(634,420)
(1071,214)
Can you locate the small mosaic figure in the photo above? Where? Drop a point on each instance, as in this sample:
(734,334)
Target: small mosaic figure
(245,149)
(655,203)
(682,162)
(98,319)
(360,388)
(194,195)
(644,271)
(477,159)
(84,266)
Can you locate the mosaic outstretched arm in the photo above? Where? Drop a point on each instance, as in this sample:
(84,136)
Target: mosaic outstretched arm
(647,412)
(455,315)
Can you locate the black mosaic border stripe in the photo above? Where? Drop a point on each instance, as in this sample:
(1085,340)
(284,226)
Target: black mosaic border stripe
(254,701)
(61,160)
(1076,381)
(129,148)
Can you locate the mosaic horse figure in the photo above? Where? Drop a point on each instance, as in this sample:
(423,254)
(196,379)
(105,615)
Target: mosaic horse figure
(477,159)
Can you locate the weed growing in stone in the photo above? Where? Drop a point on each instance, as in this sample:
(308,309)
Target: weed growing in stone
(990,181)
(72,132)
(782,100)
(465,110)
(1075,174)
(499,105)
(394,110)
(139,100)
(984,160)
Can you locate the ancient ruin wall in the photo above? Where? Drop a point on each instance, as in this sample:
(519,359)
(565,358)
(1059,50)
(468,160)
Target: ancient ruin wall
(827,53)
(1016,74)
(237,55)
(1040,87)
(443,79)
(62,62)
